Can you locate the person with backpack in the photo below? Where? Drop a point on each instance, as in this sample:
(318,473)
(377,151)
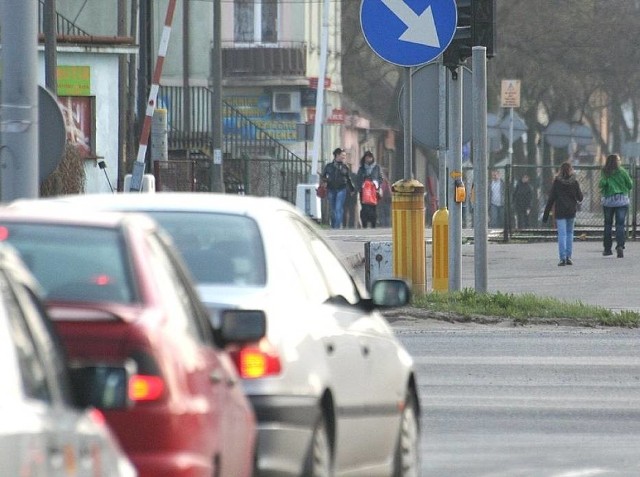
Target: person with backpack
(336,175)
(368,183)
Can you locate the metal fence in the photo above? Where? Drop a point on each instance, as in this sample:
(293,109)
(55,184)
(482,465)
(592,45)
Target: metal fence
(589,219)
(253,161)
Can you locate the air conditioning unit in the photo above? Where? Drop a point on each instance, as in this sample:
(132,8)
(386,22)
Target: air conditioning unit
(286,102)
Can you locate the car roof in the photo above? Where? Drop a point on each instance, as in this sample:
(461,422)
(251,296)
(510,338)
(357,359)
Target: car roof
(166,201)
(35,210)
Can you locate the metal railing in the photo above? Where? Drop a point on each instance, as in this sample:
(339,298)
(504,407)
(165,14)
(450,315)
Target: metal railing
(254,162)
(64,26)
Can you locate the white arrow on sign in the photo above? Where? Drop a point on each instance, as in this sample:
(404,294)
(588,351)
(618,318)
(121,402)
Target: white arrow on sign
(421,28)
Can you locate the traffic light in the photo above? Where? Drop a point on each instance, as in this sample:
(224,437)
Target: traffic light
(476,27)
(460,47)
(483,25)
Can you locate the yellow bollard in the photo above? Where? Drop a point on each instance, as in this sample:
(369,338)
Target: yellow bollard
(440,250)
(407,227)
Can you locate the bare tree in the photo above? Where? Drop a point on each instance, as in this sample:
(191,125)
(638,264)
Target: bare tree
(575,59)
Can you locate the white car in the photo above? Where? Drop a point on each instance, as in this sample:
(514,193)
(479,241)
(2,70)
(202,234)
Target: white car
(334,391)
(46,428)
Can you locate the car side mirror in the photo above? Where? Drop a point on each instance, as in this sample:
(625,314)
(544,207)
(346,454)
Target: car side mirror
(390,293)
(242,326)
(101,386)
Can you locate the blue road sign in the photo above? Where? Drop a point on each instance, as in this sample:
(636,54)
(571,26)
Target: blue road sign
(408,32)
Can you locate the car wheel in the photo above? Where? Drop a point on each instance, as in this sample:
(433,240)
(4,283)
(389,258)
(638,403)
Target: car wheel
(406,462)
(318,462)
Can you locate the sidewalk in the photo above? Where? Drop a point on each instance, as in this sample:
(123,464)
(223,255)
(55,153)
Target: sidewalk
(609,282)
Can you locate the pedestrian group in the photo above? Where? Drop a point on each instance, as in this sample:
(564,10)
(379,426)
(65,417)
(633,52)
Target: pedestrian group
(370,190)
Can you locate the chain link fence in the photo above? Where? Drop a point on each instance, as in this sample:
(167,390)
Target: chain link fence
(589,219)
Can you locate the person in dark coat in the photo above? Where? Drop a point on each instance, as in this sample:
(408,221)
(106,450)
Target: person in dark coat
(350,220)
(336,175)
(565,196)
(522,200)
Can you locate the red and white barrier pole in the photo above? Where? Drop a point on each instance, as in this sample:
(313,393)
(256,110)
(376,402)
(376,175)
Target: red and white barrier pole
(138,166)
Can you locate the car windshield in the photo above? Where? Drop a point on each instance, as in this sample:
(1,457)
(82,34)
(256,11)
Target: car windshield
(74,263)
(218,248)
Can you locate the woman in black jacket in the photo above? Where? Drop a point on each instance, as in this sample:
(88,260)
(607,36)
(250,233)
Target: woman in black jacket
(565,195)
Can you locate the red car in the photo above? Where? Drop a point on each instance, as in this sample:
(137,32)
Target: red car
(118,292)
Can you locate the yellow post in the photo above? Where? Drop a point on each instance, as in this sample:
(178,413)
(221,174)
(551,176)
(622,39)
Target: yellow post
(407,227)
(440,250)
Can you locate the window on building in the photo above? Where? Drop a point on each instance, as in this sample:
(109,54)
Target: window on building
(256,21)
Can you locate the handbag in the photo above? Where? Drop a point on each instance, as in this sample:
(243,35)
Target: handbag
(321,191)
(616,200)
(369,194)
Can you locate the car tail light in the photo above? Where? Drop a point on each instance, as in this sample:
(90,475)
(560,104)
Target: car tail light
(145,388)
(257,361)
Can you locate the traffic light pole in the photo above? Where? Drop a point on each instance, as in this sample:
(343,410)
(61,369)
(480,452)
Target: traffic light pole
(455,172)
(19,103)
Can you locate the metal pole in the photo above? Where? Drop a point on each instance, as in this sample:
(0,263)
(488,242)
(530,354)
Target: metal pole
(455,171)
(217,172)
(317,131)
(408,125)
(19,101)
(186,68)
(480,159)
(442,136)
(131,93)
(50,46)
(510,136)
(145,14)
(123,117)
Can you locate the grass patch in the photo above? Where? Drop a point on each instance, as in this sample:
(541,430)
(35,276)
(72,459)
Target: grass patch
(523,308)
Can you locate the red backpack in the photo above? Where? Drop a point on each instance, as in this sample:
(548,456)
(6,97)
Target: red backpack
(369,194)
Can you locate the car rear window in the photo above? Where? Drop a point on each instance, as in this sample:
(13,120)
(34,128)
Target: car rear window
(74,263)
(217,248)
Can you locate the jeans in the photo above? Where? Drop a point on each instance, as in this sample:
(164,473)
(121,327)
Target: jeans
(620,214)
(496,214)
(565,237)
(336,202)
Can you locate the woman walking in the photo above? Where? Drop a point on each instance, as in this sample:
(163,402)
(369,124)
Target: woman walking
(369,180)
(615,184)
(565,195)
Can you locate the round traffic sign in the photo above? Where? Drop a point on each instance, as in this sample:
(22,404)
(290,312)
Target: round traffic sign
(408,33)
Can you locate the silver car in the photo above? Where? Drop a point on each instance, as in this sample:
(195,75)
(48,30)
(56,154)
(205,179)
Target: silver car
(334,391)
(47,428)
